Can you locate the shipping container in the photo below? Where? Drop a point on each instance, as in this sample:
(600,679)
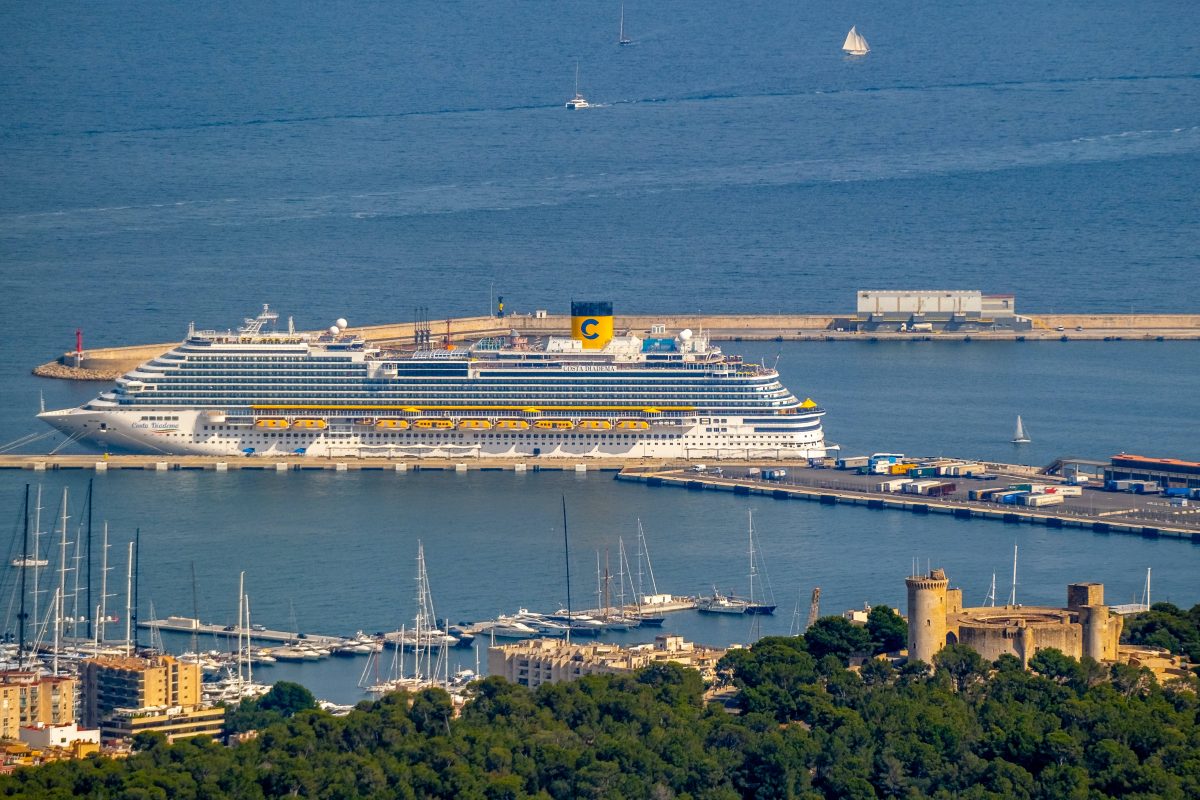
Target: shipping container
(918,487)
(923,472)
(1117,486)
(893,485)
(941,490)
(1021,487)
(1039,500)
(852,462)
(1177,491)
(901,469)
(1014,498)
(1065,491)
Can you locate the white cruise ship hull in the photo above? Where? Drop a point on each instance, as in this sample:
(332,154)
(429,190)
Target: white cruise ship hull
(191,432)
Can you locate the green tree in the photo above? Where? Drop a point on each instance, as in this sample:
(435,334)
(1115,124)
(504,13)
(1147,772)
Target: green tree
(888,630)
(964,666)
(836,636)
(287,698)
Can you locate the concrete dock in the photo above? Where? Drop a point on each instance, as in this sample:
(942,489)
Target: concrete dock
(1097,511)
(190,625)
(107,363)
(294,463)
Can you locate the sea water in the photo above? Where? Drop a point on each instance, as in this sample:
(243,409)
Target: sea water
(167,164)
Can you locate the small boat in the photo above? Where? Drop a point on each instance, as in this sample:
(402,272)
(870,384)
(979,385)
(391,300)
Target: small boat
(595,425)
(505,627)
(554,424)
(474,424)
(855,44)
(633,425)
(392,424)
(310,423)
(578,101)
(440,424)
(1020,436)
(512,424)
(271,422)
(622,39)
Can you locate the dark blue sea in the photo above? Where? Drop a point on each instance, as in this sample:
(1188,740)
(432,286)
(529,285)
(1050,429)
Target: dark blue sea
(162,163)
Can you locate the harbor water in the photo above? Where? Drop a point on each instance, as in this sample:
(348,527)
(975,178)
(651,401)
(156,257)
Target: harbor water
(361,161)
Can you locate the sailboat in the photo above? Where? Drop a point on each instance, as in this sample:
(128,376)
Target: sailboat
(730,604)
(1020,436)
(578,101)
(621,38)
(855,44)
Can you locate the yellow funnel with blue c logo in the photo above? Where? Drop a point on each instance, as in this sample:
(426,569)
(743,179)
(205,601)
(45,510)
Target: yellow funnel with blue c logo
(592,323)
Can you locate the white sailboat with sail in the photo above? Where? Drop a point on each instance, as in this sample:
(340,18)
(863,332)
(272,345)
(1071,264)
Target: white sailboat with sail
(1020,436)
(622,39)
(855,44)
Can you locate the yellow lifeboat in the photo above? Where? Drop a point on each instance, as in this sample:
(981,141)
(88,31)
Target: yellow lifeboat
(439,424)
(554,424)
(633,425)
(474,424)
(310,423)
(271,422)
(392,424)
(595,425)
(512,424)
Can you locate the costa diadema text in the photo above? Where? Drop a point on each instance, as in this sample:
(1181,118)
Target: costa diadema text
(260,391)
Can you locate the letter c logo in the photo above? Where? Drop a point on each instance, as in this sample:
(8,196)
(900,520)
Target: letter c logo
(585,328)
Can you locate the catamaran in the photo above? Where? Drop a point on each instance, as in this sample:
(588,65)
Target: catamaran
(578,101)
(855,44)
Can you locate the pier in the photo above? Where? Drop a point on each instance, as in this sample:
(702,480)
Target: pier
(107,363)
(191,625)
(1097,511)
(295,463)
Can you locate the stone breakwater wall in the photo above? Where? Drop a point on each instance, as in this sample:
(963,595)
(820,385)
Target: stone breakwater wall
(109,362)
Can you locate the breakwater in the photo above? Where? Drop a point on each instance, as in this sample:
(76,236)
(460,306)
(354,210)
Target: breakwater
(106,363)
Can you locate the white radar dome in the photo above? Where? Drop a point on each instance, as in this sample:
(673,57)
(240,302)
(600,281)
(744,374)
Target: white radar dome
(341,323)
(335,330)
(685,334)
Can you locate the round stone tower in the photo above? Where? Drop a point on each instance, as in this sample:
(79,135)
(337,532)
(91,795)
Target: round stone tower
(926,614)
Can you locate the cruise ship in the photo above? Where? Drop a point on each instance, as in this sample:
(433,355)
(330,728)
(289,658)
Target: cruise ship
(260,391)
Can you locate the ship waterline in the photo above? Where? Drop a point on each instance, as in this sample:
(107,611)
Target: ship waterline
(257,391)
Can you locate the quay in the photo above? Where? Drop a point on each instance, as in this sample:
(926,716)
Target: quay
(192,625)
(1097,511)
(294,463)
(107,363)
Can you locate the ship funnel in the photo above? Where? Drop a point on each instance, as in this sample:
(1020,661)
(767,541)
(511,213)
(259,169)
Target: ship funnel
(592,323)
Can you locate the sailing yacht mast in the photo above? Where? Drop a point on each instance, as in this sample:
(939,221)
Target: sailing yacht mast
(21,617)
(1012,598)
(62,565)
(128,600)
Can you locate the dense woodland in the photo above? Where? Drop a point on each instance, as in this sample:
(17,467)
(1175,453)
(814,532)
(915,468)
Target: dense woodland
(804,726)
